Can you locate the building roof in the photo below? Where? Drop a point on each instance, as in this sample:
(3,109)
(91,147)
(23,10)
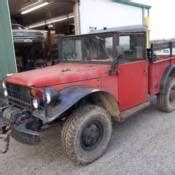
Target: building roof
(135,4)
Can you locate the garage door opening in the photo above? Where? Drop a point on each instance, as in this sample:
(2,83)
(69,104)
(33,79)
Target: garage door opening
(37,28)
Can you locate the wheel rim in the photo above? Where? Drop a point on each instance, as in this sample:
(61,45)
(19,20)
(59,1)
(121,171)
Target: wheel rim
(92,135)
(172,96)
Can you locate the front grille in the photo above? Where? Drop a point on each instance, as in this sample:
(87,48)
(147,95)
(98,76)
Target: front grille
(19,95)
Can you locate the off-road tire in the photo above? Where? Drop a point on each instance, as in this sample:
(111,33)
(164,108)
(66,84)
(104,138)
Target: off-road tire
(74,127)
(163,99)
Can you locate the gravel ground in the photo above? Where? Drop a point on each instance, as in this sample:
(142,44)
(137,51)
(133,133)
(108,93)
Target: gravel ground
(144,144)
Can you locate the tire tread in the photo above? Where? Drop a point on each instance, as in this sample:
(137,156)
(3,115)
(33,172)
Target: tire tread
(69,129)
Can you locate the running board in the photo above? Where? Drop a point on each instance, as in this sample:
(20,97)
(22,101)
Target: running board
(130,112)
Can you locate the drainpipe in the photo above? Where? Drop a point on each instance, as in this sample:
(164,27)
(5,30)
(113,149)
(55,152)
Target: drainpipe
(147,23)
(76,12)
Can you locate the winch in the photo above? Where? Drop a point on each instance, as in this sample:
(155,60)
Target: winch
(21,126)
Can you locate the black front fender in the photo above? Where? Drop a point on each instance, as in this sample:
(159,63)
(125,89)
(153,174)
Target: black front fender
(68,97)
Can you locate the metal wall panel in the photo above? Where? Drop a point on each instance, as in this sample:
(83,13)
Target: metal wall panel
(7,54)
(97,14)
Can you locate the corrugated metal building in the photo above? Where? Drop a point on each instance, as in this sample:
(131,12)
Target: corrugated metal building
(7,56)
(87,17)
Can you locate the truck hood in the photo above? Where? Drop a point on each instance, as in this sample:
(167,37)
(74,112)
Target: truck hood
(59,74)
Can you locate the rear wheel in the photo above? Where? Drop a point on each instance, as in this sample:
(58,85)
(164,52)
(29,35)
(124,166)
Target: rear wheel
(166,100)
(86,134)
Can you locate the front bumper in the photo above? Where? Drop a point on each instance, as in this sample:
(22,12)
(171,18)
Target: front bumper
(24,135)
(19,133)
(21,126)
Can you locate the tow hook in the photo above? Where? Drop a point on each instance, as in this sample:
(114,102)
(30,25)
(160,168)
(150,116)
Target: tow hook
(4,138)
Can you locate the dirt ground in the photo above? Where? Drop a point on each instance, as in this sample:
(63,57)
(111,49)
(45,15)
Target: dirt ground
(144,144)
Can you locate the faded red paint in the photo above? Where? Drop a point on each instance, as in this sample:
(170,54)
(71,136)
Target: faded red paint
(59,74)
(131,85)
(156,71)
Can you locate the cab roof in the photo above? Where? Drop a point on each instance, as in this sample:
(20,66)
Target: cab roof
(123,29)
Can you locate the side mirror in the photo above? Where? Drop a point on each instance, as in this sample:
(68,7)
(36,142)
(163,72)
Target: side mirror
(151,56)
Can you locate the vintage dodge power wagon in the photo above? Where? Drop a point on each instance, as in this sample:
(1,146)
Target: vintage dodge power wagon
(101,77)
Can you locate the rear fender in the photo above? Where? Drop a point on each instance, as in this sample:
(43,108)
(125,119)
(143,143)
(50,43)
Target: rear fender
(169,72)
(71,96)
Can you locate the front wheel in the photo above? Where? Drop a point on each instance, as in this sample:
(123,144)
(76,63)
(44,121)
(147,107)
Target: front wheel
(166,100)
(86,134)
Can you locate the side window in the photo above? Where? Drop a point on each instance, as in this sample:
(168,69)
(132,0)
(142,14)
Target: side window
(109,45)
(132,46)
(124,42)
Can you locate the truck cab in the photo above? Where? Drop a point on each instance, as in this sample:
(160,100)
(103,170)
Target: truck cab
(100,76)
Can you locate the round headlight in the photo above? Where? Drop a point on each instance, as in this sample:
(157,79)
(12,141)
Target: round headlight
(5,92)
(4,85)
(35,103)
(50,96)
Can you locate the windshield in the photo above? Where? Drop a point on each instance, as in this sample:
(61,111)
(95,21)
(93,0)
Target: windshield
(87,49)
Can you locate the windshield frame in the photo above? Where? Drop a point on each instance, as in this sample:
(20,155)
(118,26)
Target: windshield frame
(114,35)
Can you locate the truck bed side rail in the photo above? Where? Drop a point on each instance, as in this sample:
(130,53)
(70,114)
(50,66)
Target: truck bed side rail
(160,45)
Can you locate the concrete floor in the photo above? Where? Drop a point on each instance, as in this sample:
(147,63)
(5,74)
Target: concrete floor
(144,144)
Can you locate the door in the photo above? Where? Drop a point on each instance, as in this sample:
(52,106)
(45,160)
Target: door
(132,84)
(132,72)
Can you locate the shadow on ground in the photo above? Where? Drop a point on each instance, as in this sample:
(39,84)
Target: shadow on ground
(135,148)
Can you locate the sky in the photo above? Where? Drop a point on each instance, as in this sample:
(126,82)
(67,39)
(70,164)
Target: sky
(162,18)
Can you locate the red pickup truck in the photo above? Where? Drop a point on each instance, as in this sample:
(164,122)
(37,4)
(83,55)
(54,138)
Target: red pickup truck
(100,77)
